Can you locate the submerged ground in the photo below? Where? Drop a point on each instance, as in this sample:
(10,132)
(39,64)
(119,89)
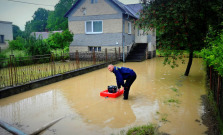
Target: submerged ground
(159,95)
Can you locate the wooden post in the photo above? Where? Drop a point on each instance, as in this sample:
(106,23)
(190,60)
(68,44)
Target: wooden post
(115,54)
(94,58)
(218,91)
(106,55)
(210,77)
(77,59)
(15,70)
(119,51)
(52,64)
(11,71)
(61,56)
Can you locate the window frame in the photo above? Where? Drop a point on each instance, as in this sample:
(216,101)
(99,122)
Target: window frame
(92,27)
(93,47)
(129,28)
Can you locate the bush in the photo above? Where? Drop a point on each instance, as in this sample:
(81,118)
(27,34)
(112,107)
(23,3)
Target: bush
(37,46)
(213,55)
(2,55)
(34,46)
(60,40)
(30,45)
(18,44)
(17,53)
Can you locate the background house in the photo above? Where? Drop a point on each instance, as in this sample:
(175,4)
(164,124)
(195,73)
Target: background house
(6,34)
(43,35)
(100,24)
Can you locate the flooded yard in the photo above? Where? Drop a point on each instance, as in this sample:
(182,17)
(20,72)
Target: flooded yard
(159,95)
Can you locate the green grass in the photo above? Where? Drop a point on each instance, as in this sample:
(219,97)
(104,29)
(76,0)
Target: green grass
(174,89)
(163,117)
(173,101)
(150,129)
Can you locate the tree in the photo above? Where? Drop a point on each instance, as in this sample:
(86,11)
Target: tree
(182,25)
(40,19)
(16,31)
(56,20)
(28,29)
(38,23)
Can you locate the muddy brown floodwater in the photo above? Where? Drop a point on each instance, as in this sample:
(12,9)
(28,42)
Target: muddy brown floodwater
(159,95)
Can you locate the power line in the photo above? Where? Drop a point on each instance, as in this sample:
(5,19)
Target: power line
(30,3)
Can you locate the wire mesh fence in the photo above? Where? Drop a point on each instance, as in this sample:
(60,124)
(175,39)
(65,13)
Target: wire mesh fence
(16,71)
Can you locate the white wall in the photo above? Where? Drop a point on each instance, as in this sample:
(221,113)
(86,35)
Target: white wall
(6,30)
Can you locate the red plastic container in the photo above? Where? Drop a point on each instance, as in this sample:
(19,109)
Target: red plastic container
(105,93)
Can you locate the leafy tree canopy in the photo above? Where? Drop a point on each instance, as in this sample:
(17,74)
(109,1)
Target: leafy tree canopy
(56,20)
(38,23)
(182,25)
(16,31)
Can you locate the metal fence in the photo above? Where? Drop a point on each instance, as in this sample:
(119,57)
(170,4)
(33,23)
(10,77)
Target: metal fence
(216,86)
(16,71)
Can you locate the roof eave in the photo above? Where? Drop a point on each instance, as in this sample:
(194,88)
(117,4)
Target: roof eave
(123,11)
(68,12)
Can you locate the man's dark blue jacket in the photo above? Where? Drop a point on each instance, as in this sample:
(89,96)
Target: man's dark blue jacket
(122,73)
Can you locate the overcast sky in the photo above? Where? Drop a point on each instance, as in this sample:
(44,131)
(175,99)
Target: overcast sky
(20,13)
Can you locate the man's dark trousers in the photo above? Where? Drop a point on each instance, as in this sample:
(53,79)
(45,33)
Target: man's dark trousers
(128,84)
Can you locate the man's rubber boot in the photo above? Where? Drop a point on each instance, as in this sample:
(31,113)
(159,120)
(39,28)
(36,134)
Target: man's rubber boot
(126,93)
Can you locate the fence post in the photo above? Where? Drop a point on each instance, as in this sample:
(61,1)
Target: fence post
(52,64)
(218,91)
(106,55)
(15,70)
(115,54)
(10,71)
(77,58)
(94,58)
(119,53)
(210,77)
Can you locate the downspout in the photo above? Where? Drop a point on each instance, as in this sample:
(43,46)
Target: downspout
(123,38)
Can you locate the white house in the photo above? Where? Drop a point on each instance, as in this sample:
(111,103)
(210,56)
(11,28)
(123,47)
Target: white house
(6,34)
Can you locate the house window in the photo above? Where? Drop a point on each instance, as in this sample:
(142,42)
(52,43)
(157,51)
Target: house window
(94,1)
(129,28)
(93,27)
(99,49)
(90,48)
(96,48)
(2,39)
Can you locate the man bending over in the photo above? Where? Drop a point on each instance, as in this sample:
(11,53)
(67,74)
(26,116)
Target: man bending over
(123,73)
